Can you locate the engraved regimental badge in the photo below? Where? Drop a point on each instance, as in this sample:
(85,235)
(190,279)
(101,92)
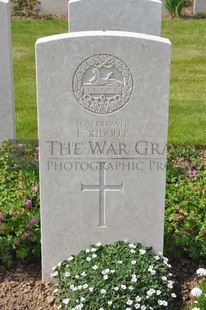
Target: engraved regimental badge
(102,84)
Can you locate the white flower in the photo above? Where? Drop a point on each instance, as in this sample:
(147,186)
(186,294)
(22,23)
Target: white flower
(112,271)
(101,308)
(133,262)
(105,277)
(170,284)
(164,278)
(59,306)
(98,244)
(54,274)
(83,274)
(123,286)
(150,292)
(87,250)
(201,272)
(59,264)
(162,302)
(82,299)
(142,252)
(195,308)
(54,268)
(173,295)
(65,301)
(158,292)
(137,306)
(131,288)
(143,307)
(129,302)
(55,290)
(151,270)
(79,287)
(93,250)
(196,292)
(67,274)
(138,298)
(132,251)
(116,288)
(91,289)
(103,291)
(95,267)
(157,257)
(88,259)
(70,258)
(85,286)
(134,278)
(105,271)
(72,287)
(94,255)
(76,276)
(79,307)
(119,262)
(110,302)
(132,246)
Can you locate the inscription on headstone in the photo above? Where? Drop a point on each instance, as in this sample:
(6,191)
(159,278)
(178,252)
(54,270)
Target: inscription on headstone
(102,158)
(7,117)
(143,16)
(102,188)
(102,84)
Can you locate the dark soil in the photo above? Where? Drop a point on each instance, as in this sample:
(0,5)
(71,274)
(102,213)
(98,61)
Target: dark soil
(21,288)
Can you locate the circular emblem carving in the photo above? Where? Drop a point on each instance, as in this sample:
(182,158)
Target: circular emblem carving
(102,84)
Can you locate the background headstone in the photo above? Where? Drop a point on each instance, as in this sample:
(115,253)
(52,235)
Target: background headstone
(199,6)
(7,117)
(103,117)
(143,16)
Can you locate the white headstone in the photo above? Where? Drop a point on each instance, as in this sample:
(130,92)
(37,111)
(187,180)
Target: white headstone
(7,117)
(143,16)
(103,117)
(199,6)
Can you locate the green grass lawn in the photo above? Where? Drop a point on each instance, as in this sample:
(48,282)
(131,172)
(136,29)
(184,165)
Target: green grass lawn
(187,120)
(24,35)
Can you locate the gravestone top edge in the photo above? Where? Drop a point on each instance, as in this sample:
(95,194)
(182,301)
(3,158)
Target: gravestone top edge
(101,33)
(4,1)
(156,1)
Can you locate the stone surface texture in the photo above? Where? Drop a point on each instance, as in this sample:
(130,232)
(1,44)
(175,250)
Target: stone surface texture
(82,204)
(7,119)
(199,6)
(143,16)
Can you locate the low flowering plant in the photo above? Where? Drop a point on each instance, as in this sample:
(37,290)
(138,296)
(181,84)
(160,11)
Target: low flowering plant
(199,293)
(19,206)
(114,276)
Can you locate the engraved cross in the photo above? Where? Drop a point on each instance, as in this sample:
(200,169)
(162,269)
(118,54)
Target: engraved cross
(102,188)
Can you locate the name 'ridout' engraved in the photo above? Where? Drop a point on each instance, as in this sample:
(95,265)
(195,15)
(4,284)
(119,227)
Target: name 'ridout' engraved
(102,84)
